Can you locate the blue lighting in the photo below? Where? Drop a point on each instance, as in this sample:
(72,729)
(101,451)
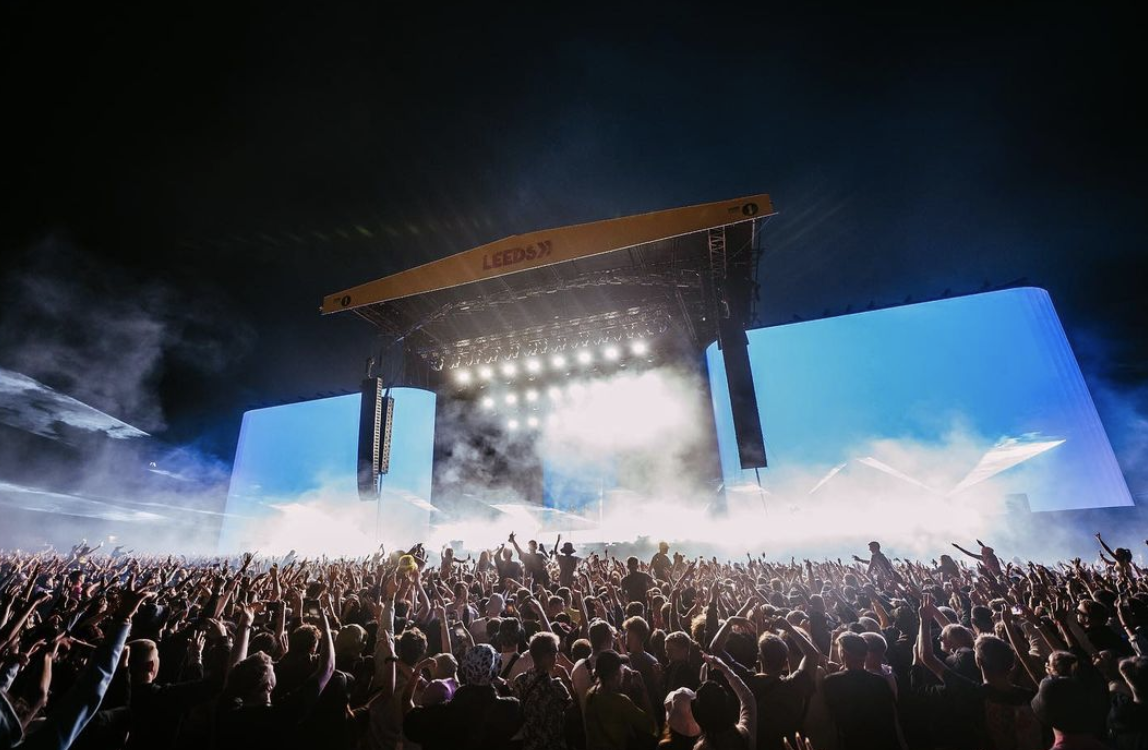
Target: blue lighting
(995,368)
(308,451)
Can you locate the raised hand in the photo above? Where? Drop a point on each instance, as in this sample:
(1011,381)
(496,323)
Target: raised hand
(246,615)
(926,609)
(195,646)
(799,743)
(391,586)
(130,600)
(716,662)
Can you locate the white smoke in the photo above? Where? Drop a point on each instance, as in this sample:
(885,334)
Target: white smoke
(83,347)
(103,337)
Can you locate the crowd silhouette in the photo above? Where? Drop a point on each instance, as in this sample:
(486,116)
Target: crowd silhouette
(539,649)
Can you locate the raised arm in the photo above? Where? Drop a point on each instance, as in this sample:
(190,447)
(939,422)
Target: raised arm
(11,631)
(384,611)
(242,636)
(810,656)
(973,555)
(72,713)
(443,630)
(1105,546)
(717,645)
(1020,645)
(543,620)
(326,653)
(924,651)
(514,541)
(747,714)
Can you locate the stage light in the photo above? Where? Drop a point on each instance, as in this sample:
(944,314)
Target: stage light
(485,373)
(558,361)
(639,347)
(532,395)
(511,399)
(554,392)
(584,357)
(512,424)
(532,421)
(509,370)
(488,403)
(533,365)
(611,353)
(462,377)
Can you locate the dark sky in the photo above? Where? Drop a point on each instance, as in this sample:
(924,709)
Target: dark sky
(220,168)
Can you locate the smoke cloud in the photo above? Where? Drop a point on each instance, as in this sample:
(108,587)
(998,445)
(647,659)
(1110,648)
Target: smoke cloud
(101,336)
(83,349)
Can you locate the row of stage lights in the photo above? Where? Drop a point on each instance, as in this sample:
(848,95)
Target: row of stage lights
(557,363)
(532,396)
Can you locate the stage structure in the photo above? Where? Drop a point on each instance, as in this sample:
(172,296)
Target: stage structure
(660,287)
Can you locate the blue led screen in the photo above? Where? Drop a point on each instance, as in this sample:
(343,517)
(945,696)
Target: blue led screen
(949,398)
(307,453)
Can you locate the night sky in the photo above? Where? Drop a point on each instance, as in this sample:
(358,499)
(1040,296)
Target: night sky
(195,178)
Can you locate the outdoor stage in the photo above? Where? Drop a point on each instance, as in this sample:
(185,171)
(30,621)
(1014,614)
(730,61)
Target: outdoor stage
(608,381)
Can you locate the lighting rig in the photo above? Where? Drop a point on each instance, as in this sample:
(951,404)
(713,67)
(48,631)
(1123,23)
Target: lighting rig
(511,325)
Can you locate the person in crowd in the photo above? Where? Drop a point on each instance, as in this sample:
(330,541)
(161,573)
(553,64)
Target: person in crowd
(533,562)
(660,564)
(582,678)
(1128,717)
(679,671)
(248,717)
(682,731)
(507,568)
(1121,560)
(781,693)
(861,703)
(156,709)
(879,566)
(728,722)
(635,636)
(636,583)
(495,603)
(444,679)
(875,659)
(987,557)
(545,696)
(567,563)
(1056,705)
(510,637)
(611,718)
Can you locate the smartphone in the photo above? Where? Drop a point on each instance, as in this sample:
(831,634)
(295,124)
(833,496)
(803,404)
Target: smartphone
(1017,610)
(311,607)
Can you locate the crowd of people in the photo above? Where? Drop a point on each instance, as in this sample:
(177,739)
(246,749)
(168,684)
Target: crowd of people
(546,649)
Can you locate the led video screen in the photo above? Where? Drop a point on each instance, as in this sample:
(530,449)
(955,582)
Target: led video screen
(963,399)
(294,474)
